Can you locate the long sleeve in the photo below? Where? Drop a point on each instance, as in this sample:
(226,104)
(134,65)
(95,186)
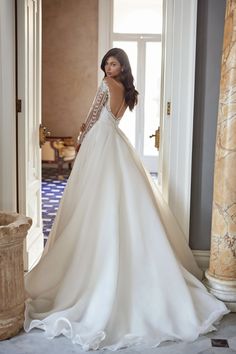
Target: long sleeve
(94,112)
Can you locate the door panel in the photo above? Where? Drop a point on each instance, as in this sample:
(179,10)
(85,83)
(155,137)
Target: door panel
(151,103)
(29,154)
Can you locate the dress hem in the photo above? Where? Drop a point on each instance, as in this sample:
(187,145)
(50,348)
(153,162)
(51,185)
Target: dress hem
(128,340)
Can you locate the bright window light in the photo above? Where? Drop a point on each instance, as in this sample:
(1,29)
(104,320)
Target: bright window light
(137,16)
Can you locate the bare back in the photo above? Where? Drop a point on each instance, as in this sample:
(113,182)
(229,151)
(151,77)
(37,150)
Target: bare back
(117,99)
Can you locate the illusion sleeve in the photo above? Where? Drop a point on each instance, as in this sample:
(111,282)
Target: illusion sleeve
(95,110)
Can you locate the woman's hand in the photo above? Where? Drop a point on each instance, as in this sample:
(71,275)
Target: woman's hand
(82,129)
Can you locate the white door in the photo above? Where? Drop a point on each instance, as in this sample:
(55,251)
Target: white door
(175,158)
(29,119)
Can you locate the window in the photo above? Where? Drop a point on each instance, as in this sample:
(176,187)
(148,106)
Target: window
(136,27)
(137,16)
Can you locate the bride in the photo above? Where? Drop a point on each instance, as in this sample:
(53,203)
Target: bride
(113,273)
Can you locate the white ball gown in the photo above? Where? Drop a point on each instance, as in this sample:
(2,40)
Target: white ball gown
(112,274)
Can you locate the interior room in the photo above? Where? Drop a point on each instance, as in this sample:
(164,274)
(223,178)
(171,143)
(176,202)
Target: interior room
(182,55)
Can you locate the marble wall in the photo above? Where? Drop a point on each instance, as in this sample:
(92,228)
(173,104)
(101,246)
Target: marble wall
(223,239)
(69,63)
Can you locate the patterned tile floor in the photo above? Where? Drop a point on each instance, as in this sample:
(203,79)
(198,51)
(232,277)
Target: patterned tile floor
(52,190)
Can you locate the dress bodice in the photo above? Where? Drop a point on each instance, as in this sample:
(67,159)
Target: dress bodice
(108,116)
(101,100)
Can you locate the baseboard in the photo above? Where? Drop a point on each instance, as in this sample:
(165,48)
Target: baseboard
(202,258)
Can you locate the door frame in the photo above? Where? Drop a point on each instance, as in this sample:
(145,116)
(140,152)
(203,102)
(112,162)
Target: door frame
(179,49)
(175,156)
(8,160)
(29,62)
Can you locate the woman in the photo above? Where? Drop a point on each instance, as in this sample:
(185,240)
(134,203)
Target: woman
(111,275)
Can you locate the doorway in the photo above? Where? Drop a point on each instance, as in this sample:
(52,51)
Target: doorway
(28,49)
(143,47)
(136,27)
(174,171)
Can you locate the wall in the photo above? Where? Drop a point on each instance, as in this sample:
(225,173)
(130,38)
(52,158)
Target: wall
(208,62)
(7,107)
(69,63)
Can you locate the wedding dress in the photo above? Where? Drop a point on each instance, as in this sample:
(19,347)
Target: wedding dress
(113,273)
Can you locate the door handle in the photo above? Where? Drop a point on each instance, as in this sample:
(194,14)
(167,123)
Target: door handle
(157,138)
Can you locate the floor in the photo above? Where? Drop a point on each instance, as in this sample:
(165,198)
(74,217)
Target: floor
(36,343)
(52,190)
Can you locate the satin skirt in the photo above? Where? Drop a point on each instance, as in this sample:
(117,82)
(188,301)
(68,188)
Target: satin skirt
(113,274)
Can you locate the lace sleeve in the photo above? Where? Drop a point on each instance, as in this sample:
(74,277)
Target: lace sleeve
(94,112)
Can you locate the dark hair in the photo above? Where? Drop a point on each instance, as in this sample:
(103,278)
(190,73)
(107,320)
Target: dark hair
(126,77)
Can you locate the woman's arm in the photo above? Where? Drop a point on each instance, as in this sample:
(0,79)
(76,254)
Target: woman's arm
(94,112)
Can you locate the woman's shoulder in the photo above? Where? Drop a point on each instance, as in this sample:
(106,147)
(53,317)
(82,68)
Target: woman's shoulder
(113,84)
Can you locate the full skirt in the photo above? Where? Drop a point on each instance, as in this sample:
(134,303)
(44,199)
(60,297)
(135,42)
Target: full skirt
(113,273)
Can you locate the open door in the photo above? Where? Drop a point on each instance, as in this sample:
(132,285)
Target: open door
(176,124)
(29,119)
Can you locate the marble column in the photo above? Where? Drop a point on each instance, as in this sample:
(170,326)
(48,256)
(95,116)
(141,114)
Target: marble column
(221,275)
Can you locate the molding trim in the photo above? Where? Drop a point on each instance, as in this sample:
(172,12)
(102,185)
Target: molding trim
(29,154)
(225,290)
(202,258)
